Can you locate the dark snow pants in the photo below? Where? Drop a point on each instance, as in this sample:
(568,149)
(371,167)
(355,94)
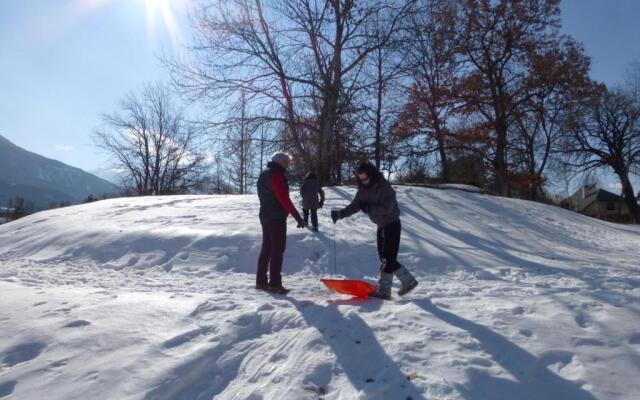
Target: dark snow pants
(274,242)
(388,246)
(314,216)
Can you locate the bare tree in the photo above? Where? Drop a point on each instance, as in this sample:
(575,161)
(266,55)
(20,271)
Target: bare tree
(150,140)
(297,60)
(559,79)
(497,40)
(381,80)
(605,133)
(435,70)
(240,148)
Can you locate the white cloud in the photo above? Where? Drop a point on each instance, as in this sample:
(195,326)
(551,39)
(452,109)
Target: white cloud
(64,147)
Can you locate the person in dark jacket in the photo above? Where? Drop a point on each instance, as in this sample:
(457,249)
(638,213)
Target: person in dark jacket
(312,199)
(275,207)
(377,199)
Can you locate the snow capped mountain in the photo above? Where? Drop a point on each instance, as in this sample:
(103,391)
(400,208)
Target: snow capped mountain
(43,181)
(153,298)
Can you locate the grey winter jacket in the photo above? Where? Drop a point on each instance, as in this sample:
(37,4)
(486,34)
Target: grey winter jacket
(312,194)
(379,200)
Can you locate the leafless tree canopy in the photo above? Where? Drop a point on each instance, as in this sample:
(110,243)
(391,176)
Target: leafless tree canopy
(150,140)
(299,62)
(605,133)
(482,91)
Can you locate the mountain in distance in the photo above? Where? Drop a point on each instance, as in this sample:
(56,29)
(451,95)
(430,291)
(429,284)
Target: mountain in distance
(42,181)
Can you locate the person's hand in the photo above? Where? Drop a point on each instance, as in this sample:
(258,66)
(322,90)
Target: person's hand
(321,204)
(301,223)
(364,207)
(335,215)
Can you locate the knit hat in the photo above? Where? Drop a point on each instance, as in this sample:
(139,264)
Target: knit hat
(280,157)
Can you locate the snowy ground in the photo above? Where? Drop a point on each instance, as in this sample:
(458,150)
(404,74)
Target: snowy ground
(152,298)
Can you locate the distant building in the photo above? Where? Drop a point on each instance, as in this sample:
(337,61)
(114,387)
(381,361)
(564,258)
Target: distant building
(598,203)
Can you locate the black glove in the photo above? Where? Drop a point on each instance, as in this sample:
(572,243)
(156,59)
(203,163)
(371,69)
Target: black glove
(336,215)
(364,207)
(300,221)
(321,204)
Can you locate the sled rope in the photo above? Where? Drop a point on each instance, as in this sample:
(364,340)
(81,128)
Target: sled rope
(335,252)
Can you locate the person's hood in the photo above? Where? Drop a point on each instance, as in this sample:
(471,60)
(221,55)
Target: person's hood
(374,174)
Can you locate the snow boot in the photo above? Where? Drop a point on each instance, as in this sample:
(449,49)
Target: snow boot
(278,290)
(262,286)
(383,291)
(407,280)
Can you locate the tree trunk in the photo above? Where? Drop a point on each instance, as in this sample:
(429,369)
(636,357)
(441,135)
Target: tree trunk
(444,163)
(499,164)
(629,197)
(380,88)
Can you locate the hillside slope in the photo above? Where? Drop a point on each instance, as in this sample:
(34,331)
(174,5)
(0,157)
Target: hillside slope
(41,180)
(152,298)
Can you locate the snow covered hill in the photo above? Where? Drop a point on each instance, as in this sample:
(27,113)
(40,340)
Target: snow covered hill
(152,298)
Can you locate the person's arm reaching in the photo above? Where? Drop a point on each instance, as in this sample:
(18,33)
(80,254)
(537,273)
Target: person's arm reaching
(352,208)
(280,191)
(348,211)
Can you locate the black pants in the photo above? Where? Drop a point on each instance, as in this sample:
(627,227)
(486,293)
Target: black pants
(388,246)
(314,216)
(274,242)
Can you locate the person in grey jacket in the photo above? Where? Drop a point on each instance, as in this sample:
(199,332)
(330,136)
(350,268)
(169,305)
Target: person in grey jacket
(312,199)
(377,199)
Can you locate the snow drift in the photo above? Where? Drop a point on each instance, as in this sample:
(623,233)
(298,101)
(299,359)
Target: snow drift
(151,298)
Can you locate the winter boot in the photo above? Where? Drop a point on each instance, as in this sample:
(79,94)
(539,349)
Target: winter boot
(278,290)
(384,287)
(407,280)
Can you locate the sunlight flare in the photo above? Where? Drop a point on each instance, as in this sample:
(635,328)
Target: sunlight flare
(160,15)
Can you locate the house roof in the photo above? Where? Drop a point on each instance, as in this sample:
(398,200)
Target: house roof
(604,195)
(588,194)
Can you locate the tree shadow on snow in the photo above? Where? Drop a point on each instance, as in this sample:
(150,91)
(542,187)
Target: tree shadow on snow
(532,379)
(363,359)
(341,192)
(496,249)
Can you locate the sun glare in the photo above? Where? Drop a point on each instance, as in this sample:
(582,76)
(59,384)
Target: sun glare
(159,14)
(162,11)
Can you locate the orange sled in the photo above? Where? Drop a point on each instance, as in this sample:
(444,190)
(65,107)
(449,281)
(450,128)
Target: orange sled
(348,286)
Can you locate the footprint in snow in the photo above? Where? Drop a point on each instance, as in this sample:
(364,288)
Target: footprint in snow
(59,364)
(22,353)
(586,341)
(582,320)
(77,324)
(634,338)
(526,332)
(187,337)
(92,375)
(39,304)
(519,310)
(265,307)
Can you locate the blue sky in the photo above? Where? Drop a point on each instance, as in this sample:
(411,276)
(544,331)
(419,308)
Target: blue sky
(64,62)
